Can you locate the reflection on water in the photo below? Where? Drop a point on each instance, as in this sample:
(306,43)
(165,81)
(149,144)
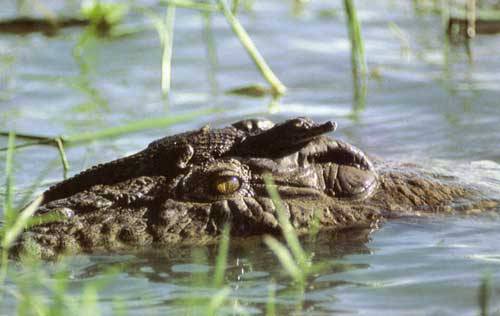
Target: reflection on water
(428,104)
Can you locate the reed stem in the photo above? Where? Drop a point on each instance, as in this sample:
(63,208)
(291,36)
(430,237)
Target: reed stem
(357,47)
(61,141)
(358,60)
(166,61)
(484,295)
(221,260)
(62,154)
(235,7)
(252,51)
(208,36)
(194,5)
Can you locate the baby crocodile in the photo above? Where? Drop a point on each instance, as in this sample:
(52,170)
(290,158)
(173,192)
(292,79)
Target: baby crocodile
(184,189)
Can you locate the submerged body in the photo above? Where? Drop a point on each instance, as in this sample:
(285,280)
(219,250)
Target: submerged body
(185,188)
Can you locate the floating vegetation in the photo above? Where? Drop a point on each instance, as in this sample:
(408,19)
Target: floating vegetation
(459,27)
(466,19)
(256,91)
(103,17)
(26,25)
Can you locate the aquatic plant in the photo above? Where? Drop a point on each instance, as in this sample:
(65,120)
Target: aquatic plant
(37,292)
(277,87)
(165,29)
(197,300)
(358,58)
(61,142)
(103,16)
(484,295)
(265,70)
(296,261)
(43,293)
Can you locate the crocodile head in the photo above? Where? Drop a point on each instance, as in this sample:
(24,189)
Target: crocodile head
(312,172)
(185,188)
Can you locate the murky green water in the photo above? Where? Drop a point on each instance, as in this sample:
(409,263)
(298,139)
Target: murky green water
(428,105)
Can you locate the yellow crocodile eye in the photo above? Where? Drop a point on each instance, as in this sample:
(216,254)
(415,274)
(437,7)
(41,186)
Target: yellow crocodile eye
(227,184)
(298,123)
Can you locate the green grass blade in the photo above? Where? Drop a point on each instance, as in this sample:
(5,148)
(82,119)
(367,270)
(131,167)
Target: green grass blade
(48,141)
(271,300)
(119,306)
(115,131)
(157,24)
(26,136)
(21,222)
(8,211)
(235,6)
(44,219)
(136,126)
(403,39)
(221,260)
(199,278)
(10,234)
(285,258)
(287,228)
(357,46)
(209,38)
(358,60)
(278,87)
(315,225)
(36,184)
(484,295)
(194,5)
(62,154)
(89,302)
(217,300)
(166,60)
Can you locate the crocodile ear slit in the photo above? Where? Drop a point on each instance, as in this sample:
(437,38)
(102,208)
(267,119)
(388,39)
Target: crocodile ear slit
(185,154)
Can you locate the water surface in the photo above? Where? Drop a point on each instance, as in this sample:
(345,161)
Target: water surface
(426,104)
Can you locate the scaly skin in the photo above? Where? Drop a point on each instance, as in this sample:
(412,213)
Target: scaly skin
(184,188)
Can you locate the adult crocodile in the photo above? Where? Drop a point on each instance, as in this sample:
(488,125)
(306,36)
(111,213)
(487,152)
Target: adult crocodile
(184,188)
